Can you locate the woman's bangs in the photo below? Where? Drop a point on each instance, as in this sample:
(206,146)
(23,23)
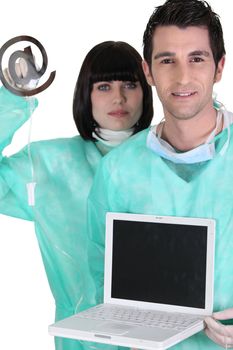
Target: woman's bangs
(114,65)
(113,76)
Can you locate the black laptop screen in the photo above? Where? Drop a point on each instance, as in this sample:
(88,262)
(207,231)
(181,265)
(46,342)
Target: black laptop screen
(159,262)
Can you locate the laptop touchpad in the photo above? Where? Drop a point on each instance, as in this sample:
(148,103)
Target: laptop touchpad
(113,328)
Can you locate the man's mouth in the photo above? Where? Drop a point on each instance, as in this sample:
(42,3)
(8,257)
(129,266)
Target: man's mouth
(183,94)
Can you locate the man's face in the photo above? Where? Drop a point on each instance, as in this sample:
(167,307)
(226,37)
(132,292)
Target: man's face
(183,71)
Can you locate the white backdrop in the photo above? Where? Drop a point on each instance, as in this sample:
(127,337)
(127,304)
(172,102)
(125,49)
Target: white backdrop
(68,30)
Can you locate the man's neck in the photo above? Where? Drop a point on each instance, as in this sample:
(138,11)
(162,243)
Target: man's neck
(185,135)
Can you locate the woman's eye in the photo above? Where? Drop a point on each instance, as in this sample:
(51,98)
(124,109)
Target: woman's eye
(103,87)
(130,85)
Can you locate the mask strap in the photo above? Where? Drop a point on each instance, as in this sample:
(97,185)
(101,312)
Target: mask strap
(218,121)
(227,124)
(30,185)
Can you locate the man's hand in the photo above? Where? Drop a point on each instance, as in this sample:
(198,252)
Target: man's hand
(221,333)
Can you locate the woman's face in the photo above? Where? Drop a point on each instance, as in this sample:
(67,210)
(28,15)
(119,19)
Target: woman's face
(117,105)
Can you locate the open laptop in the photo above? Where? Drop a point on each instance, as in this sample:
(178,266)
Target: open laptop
(158,283)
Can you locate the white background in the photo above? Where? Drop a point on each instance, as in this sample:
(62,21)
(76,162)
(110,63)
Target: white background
(68,30)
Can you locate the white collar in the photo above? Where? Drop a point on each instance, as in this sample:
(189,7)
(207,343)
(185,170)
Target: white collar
(110,137)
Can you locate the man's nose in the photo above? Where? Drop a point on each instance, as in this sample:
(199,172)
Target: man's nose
(183,74)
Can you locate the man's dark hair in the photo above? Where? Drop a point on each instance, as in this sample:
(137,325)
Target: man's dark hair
(185,13)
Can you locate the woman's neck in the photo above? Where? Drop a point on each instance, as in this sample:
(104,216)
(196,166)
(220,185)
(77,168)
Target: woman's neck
(108,139)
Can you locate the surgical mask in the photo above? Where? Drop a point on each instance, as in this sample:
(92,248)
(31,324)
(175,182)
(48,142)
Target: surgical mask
(199,154)
(112,138)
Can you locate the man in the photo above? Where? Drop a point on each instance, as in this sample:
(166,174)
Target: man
(184,166)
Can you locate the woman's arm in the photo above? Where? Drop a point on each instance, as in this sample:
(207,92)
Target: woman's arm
(15,170)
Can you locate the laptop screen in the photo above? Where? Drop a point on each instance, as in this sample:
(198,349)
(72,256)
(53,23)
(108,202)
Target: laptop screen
(159,262)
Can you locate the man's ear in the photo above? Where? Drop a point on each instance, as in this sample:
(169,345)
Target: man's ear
(219,70)
(147,72)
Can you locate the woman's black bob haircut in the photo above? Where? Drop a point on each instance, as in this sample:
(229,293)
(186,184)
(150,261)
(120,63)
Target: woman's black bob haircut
(109,61)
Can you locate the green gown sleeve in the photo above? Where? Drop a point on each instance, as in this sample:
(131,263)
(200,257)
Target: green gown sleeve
(15,171)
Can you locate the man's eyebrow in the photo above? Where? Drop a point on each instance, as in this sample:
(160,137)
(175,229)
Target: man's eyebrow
(164,54)
(173,54)
(200,53)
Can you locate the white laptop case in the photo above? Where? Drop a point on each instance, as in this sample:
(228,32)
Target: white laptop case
(154,266)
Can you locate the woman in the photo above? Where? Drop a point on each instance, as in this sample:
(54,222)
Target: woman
(111,102)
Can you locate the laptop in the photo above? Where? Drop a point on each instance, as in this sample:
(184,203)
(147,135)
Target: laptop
(158,283)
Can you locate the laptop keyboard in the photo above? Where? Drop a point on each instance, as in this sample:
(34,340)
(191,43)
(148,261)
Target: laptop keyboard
(135,316)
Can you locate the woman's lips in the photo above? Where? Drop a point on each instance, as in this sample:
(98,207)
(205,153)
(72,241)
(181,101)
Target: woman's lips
(118,113)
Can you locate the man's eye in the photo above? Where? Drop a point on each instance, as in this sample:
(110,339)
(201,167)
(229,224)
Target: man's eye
(167,61)
(197,59)
(103,87)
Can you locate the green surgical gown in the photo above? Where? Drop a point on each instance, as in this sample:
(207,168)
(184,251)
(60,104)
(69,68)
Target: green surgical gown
(63,172)
(134,179)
